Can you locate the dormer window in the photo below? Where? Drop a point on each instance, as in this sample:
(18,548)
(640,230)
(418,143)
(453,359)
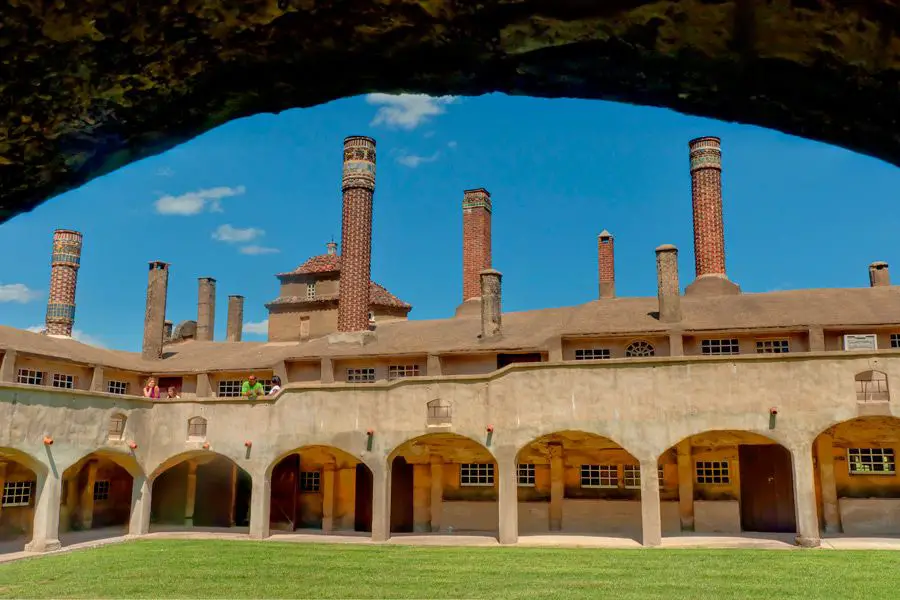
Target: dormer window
(311,291)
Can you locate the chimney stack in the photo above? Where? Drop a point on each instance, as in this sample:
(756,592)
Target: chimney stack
(332,248)
(706,195)
(235,325)
(476,240)
(358,187)
(490,303)
(606,264)
(64,263)
(879,274)
(667,283)
(155,313)
(206,309)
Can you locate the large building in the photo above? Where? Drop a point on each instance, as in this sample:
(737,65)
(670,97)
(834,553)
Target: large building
(711,410)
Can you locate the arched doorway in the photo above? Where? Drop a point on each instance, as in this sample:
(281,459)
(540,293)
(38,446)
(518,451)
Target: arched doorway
(200,489)
(97,492)
(443,482)
(18,480)
(575,482)
(727,482)
(321,487)
(857,487)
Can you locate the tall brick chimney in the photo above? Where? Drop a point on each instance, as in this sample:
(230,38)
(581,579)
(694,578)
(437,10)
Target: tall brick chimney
(155,314)
(879,274)
(667,283)
(64,263)
(234,327)
(606,264)
(206,309)
(476,240)
(490,302)
(358,187)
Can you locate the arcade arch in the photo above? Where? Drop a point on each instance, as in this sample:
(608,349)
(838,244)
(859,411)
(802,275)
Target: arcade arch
(97,491)
(19,474)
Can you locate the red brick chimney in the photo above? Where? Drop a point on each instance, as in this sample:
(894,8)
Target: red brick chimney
(476,240)
(358,187)
(606,264)
(64,264)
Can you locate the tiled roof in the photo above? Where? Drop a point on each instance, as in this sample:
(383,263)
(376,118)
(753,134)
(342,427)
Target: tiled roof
(378,296)
(323,263)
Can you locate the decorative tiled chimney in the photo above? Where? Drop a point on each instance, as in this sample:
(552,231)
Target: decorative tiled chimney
(235,324)
(879,274)
(667,283)
(490,303)
(206,309)
(155,313)
(606,264)
(64,264)
(477,211)
(358,187)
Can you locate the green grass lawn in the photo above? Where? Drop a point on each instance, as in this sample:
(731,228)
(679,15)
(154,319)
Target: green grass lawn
(206,569)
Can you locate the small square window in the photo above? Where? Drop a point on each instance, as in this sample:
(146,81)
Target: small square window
(30,377)
(773,346)
(895,340)
(525,475)
(310,291)
(712,472)
(117,387)
(871,461)
(631,476)
(476,474)
(230,388)
(599,476)
(101,490)
(63,381)
(402,371)
(17,493)
(591,353)
(719,347)
(366,375)
(310,481)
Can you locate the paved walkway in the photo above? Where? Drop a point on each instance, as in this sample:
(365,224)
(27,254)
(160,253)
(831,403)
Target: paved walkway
(10,551)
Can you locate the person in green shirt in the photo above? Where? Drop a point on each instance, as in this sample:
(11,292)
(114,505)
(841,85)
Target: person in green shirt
(252,389)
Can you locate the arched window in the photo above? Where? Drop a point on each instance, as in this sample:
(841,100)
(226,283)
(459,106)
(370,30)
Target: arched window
(872,386)
(638,349)
(439,412)
(196,428)
(117,426)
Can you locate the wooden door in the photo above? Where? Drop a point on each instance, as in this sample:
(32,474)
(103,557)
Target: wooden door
(363,513)
(283,507)
(767,489)
(401,496)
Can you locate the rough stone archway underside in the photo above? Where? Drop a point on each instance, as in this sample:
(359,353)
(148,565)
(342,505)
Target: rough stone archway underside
(89,86)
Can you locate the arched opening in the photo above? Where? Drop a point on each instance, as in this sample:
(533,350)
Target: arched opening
(18,480)
(200,489)
(321,488)
(573,482)
(727,482)
(443,483)
(857,487)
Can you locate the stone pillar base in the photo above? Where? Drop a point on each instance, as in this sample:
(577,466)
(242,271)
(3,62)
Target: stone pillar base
(807,542)
(42,546)
(189,521)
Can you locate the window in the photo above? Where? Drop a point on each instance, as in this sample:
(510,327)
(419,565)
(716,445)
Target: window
(632,477)
(439,412)
(196,427)
(871,461)
(310,291)
(63,381)
(401,371)
(310,481)
(230,388)
(712,472)
(662,477)
(591,353)
(895,340)
(117,387)
(638,349)
(872,386)
(30,377)
(117,427)
(772,346)
(476,474)
(101,490)
(599,476)
(267,385)
(17,493)
(719,347)
(525,475)
(361,375)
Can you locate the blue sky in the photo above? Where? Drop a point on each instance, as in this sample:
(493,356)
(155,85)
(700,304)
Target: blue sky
(259,195)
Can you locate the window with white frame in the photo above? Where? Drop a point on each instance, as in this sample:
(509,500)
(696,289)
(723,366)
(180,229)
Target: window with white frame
(366,375)
(310,481)
(402,371)
(895,340)
(311,291)
(17,493)
(871,461)
(591,353)
(230,388)
(63,381)
(117,387)
(631,477)
(101,490)
(267,385)
(772,346)
(476,474)
(525,475)
(30,377)
(712,472)
(599,476)
(719,347)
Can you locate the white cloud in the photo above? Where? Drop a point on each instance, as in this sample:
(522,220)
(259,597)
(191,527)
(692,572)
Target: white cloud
(413,160)
(254,250)
(407,111)
(260,328)
(165,172)
(193,203)
(77,335)
(451,144)
(17,292)
(231,235)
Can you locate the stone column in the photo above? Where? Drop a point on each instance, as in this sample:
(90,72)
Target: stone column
(260,505)
(97,379)
(825,457)
(651,520)
(557,487)
(8,367)
(326,371)
(816,339)
(87,496)
(204,390)
(507,496)
(805,497)
(328,498)
(437,492)
(433,367)
(555,349)
(280,369)
(141,491)
(676,344)
(685,485)
(422,498)
(2,482)
(234,326)
(234,478)
(45,532)
(191,494)
(381,503)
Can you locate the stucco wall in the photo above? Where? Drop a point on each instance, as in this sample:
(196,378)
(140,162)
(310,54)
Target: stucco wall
(870,516)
